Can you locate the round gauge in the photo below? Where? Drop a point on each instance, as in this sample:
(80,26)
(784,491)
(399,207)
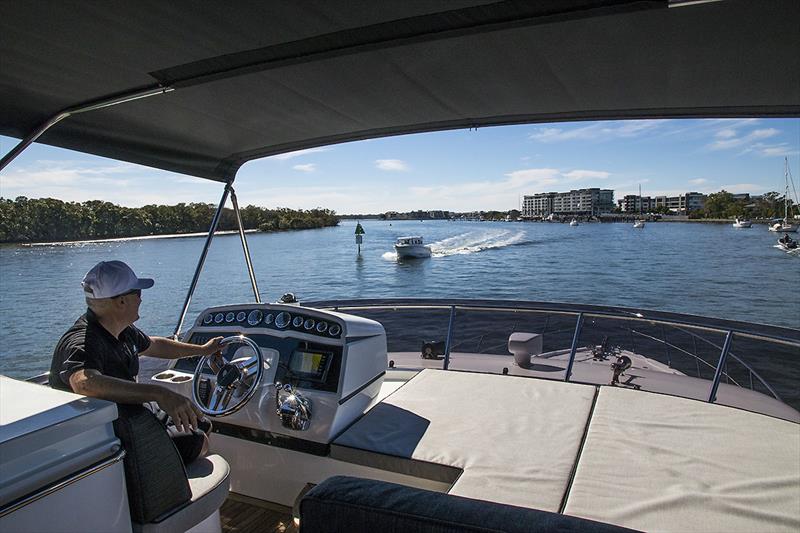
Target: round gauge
(334,330)
(230,316)
(309,323)
(269,319)
(240,316)
(321,327)
(254,317)
(208,319)
(297,322)
(218,318)
(283,319)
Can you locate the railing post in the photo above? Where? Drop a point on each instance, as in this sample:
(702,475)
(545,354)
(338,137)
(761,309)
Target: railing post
(449,337)
(723,357)
(575,336)
(246,250)
(202,260)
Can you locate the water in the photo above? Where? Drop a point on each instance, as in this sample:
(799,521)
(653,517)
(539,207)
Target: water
(705,269)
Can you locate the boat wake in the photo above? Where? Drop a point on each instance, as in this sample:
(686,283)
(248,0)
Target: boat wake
(475,241)
(795,252)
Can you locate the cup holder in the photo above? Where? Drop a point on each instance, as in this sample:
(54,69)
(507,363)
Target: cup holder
(181,379)
(165,375)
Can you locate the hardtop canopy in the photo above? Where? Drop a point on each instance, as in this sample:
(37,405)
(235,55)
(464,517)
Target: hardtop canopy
(250,79)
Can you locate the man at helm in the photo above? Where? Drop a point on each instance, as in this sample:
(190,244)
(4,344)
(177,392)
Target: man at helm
(99,355)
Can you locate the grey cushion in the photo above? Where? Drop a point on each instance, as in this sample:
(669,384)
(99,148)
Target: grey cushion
(354,505)
(209,479)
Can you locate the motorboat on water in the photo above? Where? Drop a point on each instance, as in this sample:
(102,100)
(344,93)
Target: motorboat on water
(787,243)
(411,247)
(742,223)
(638,224)
(574,222)
(639,418)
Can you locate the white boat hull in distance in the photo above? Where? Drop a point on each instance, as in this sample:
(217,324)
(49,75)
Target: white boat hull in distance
(638,224)
(574,223)
(784,228)
(412,247)
(742,223)
(412,250)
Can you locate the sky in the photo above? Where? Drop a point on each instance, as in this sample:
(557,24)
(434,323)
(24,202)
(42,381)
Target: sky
(461,170)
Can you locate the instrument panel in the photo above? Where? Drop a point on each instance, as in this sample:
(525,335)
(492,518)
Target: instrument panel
(273,319)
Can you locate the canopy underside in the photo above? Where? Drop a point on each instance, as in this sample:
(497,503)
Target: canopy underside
(253,79)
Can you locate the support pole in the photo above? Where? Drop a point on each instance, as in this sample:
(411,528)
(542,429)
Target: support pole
(202,260)
(246,250)
(723,357)
(575,336)
(81,108)
(449,337)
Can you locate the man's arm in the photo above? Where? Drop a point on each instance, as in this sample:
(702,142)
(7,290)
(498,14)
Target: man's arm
(90,382)
(169,349)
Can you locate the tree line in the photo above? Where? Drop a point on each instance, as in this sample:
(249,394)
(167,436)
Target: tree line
(724,205)
(51,220)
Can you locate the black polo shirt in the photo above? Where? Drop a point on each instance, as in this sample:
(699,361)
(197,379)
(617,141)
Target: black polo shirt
(87,344)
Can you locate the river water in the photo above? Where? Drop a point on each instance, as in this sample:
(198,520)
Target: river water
(704,269)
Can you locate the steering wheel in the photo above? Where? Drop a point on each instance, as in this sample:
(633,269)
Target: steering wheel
(238,378)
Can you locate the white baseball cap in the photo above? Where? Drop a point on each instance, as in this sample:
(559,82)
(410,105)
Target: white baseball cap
(108,279)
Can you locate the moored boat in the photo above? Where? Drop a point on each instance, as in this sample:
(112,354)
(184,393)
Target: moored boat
(742,223)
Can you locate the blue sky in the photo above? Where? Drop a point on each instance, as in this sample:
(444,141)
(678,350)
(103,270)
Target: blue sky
(463,170)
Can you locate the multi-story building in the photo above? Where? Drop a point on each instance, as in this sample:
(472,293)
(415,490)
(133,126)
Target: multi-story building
(593,201)
(681,204)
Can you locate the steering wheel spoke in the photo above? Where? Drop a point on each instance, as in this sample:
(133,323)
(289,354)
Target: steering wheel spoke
(235,382)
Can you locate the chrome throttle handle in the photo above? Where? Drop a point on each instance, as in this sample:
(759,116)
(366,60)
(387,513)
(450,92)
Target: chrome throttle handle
(292,408)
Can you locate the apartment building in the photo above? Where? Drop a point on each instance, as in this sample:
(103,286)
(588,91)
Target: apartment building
(681,204)
(593,201)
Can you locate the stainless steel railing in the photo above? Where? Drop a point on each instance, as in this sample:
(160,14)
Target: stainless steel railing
(672,322)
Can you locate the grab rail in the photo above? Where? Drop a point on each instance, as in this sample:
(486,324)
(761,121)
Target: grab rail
(775,334)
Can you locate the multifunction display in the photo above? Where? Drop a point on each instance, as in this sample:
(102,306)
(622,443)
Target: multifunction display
(310,366)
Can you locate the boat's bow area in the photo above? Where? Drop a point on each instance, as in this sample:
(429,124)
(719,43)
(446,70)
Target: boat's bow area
(639,460)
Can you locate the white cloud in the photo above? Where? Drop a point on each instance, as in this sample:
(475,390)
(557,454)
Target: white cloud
(698,181)
(743,187)
(391,165)
(771,150)
(308,167)
(577,175)
(597,132)
(298,153)
(726,133)
(734,141)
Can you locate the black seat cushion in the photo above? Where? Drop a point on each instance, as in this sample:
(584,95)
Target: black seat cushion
(154,473)
(355,505)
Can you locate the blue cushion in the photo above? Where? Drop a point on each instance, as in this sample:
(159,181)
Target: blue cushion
(355,505)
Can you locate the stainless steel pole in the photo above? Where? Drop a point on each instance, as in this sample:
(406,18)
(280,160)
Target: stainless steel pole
(201,262)
(723,357)
(82,108)
(246,250)
(575,336)
(449,337)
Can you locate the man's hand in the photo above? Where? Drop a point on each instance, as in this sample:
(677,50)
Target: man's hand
(211,346)
(183,412)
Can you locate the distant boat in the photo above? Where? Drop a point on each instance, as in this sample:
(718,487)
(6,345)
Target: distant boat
(742,223)
(574,222)
(640,222)
(411,247)
(785,226)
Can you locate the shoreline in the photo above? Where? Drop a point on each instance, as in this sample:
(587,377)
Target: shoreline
(137,238)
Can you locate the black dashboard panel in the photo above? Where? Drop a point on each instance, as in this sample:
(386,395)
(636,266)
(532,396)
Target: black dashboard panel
(321,372)
(280,320)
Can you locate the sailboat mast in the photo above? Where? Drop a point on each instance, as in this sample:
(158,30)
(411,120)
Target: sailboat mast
(786,192)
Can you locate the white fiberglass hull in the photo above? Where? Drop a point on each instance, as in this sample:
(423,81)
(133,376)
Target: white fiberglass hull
(742,224)
(785,228)
(415,250)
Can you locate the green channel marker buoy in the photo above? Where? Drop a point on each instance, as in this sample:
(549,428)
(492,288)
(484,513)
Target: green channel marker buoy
(359,236)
